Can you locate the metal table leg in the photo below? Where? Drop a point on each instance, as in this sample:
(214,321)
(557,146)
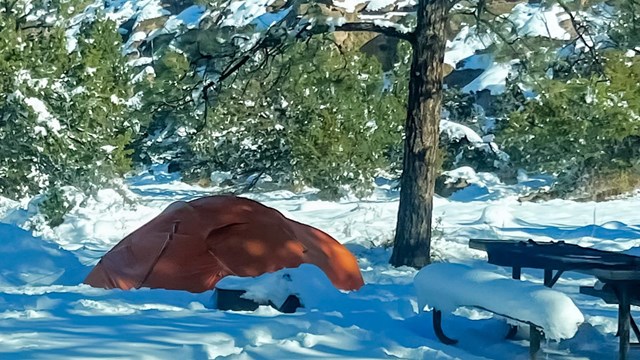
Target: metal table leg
(548,276)
(516,273)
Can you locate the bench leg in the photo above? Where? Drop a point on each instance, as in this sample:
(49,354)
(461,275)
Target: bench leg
(624,320)
(437,328)
(513,330)
(534,342)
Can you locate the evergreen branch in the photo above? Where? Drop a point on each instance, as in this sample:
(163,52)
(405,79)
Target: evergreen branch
(40,25)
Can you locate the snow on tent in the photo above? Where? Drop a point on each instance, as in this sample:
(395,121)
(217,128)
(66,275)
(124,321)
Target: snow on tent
(192,245)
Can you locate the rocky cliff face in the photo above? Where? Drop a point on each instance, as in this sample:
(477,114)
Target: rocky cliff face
(147,24)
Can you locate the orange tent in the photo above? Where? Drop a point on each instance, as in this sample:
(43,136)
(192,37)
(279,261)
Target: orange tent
(192,245)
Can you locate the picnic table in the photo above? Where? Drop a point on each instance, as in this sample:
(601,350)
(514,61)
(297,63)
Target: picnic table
(620,273)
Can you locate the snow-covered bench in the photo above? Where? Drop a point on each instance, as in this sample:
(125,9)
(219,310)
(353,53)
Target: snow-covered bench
(447,287)
(285,290)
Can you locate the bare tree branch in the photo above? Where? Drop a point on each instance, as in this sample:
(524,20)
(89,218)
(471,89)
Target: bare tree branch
(582,31)
(370,27)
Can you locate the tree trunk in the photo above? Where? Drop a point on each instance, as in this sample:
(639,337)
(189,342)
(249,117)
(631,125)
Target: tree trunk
(412,242)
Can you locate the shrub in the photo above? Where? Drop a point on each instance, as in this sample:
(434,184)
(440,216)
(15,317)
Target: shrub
(64,118)
(584,129)
(316,116)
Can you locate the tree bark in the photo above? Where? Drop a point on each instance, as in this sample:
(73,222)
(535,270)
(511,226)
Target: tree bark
(412,244)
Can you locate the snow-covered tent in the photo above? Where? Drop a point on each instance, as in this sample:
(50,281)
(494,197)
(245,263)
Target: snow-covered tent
(192,245)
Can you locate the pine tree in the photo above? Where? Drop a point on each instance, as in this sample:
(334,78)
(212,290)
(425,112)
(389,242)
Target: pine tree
(65,119)
(586,130)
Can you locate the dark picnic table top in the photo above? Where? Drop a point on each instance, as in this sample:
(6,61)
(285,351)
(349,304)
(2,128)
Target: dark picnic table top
(605,265)
(620,271)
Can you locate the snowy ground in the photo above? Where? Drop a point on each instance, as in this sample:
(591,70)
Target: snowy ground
(46,314)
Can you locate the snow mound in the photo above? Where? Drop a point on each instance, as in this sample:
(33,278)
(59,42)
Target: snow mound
(465,45)
(450,286)
(244,12)
(537,20)
(464,172)
(28,260)
(615,225)
(498,215)
(308,282)
(455,131)
(189,17)
(492,79)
